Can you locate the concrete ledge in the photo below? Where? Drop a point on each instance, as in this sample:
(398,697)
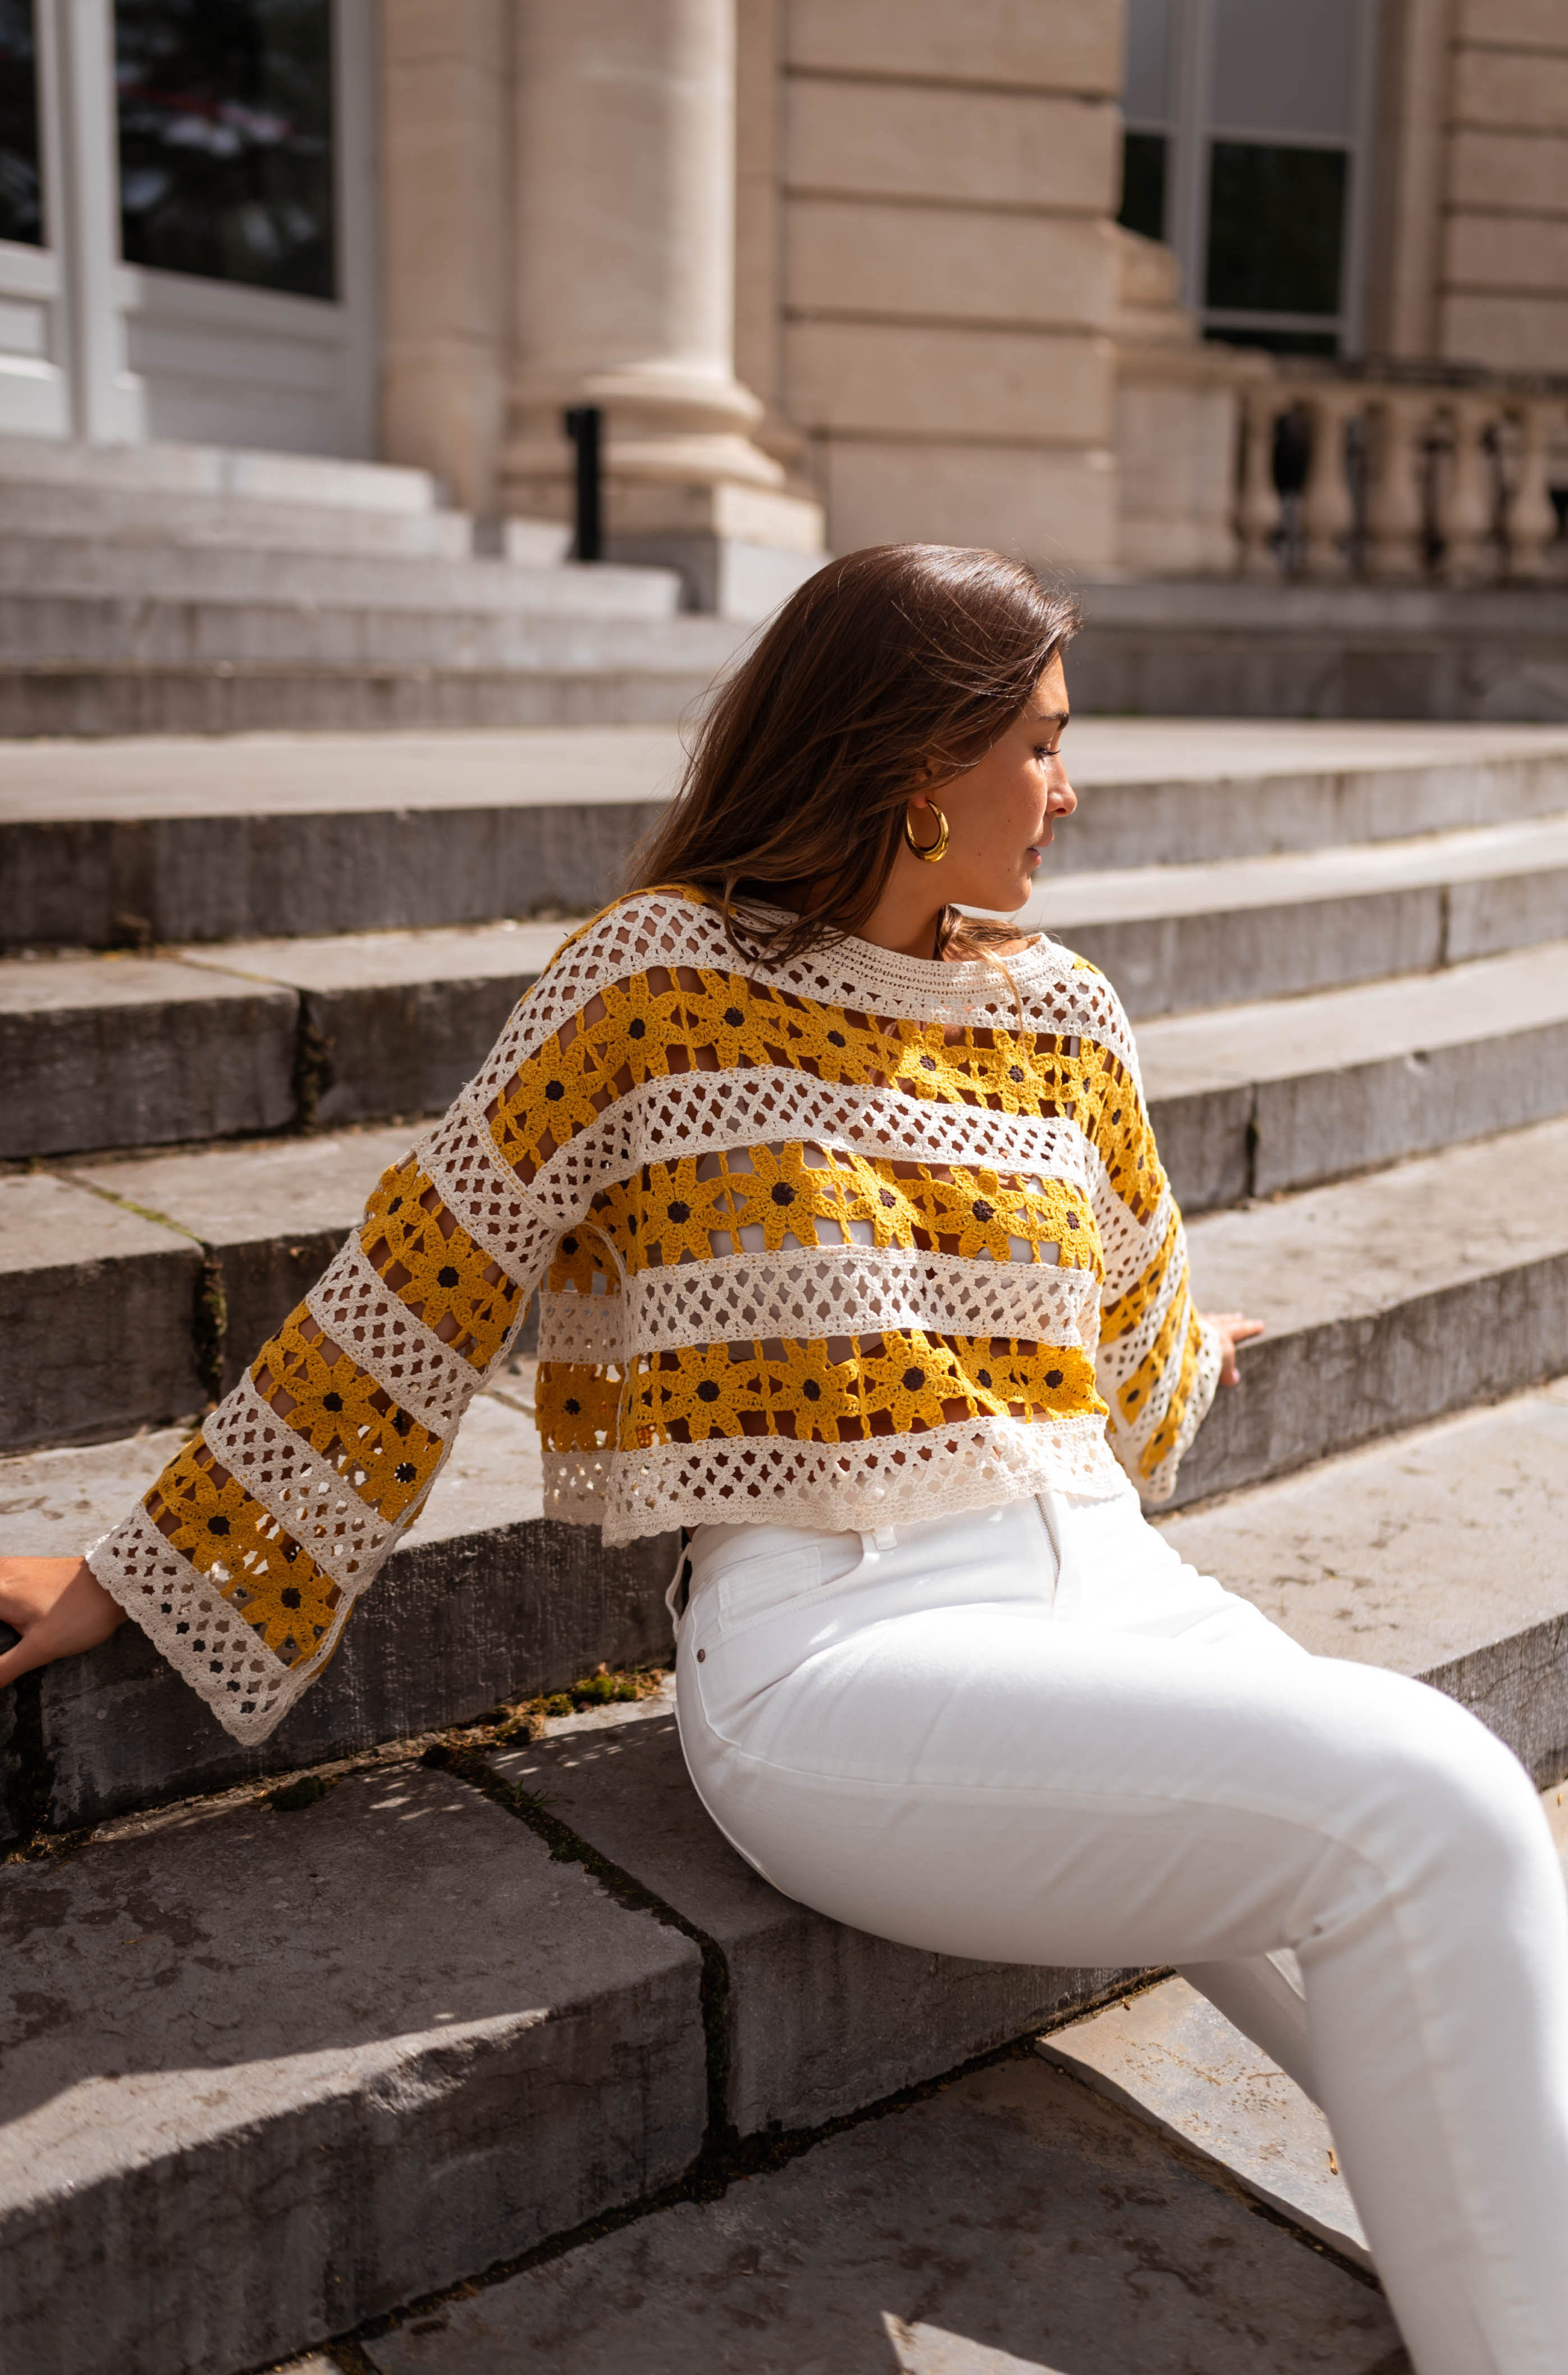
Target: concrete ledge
(283,2071)
(820,2018)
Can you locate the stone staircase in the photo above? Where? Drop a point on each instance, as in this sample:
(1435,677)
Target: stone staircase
(275,2060)
(193,589)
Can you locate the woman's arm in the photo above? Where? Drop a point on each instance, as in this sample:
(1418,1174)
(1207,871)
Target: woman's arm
(243,1562)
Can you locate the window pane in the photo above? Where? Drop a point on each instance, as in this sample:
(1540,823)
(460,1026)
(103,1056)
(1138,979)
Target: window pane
(1143,183)
(21,204)
(1280,66)
(1147,96)
(1276,228)
(226,139)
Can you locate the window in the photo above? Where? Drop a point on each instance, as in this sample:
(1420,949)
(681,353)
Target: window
(226,148)
(21,202)
(1247,130)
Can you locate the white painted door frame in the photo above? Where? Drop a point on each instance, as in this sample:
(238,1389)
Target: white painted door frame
(114,353)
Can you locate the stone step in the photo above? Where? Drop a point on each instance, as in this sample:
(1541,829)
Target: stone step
(177,639)
(1174,937)
(1287,1092)
(133,1288)
(139,579)
(610,673)
(1437,1552)
(1390,1300)
(258,1035)
(484,1604)
(1245,648)
(1009,2223)
(254,1036)
(169,838)
(411,2042)
(568,2047)
(159,495)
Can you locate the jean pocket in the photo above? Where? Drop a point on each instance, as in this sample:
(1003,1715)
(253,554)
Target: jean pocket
(755,1589)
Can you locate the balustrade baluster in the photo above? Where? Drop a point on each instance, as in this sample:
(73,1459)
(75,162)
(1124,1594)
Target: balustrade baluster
(1328,514)
(1467,495)
(1396,510)
(1257,503)
(1531,524)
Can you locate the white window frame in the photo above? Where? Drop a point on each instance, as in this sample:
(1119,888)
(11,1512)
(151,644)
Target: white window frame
(1188,130)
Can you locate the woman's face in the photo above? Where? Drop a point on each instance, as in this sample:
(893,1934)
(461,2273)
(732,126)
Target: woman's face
(1000,811)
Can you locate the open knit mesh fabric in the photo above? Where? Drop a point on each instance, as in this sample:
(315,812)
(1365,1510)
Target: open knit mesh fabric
(839,1242)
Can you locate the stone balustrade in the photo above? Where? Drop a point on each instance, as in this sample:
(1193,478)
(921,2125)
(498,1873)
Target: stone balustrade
(1401,474)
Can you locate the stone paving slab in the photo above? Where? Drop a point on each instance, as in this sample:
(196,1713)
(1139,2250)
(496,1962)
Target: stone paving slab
(1012,2224)
(484,1603)
(267,2073)
(821,2018)
(1390,1300)
(1442,1553)
(1169,2056)
(333,831)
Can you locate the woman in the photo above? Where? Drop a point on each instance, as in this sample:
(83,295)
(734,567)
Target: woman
(859,1263)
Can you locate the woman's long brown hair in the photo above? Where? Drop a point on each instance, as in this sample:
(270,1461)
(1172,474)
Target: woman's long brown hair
(886,675)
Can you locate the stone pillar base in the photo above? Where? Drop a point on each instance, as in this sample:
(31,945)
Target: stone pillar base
(740,551)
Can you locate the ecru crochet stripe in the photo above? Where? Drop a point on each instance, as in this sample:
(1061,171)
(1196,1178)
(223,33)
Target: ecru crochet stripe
(834,1240)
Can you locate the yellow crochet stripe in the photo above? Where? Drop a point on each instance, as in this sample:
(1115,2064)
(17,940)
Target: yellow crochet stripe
(662,1023)
(434,1267)
(795,1195)
(343,1414)
(231,1540)
(901,1382)
(1122,1315)
(1160,1442)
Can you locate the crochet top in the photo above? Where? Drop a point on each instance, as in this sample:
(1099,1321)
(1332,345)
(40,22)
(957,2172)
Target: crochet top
(839,1242)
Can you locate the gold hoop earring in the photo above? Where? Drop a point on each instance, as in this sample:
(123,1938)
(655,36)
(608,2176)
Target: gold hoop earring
(938,848)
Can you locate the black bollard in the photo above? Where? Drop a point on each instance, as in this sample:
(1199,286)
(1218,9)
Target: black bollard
(582,423)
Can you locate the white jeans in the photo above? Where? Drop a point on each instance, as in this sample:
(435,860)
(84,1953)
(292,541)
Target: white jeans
(1030,1734)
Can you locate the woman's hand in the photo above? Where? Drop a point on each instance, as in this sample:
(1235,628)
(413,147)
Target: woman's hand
(58,1606)
(1234,1328)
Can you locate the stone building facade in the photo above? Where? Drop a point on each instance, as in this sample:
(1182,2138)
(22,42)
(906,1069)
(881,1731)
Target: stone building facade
(833,270)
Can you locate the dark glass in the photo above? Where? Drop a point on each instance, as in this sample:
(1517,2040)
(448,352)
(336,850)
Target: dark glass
(1276,227)
(1277,342)
(1143,183)
(21,196)
(226,150)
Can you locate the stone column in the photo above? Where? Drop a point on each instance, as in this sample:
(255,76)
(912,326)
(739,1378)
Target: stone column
(446,241)
(625,247)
